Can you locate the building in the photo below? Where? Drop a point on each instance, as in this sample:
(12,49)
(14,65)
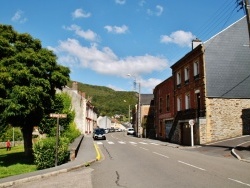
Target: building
(164,108)
(145,127)
(104,122)
(211,87)
(85,112)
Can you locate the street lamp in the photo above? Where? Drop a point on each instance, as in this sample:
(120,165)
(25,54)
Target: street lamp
(139,104)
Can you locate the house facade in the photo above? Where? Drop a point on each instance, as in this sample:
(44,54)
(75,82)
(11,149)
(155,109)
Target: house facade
(145,127)
(164,108)
(211,89)
(85,112)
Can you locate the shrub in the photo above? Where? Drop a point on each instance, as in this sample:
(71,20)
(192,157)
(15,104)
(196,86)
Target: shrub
(8,134)
(72,132)
(44,152)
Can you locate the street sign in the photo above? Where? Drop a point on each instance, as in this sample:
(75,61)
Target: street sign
(191,122)
(58,115)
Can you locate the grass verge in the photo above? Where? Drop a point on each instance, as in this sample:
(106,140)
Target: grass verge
(14,162)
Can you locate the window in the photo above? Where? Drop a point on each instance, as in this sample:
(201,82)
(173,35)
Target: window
(168,103)
(178,104)
(178,78)
(196,68)
(186,74)
(160,105)
(187,101)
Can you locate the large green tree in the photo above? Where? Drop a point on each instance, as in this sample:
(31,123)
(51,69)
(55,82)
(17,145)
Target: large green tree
(29,75)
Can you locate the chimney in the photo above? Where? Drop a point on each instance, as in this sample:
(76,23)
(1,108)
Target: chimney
(196,42)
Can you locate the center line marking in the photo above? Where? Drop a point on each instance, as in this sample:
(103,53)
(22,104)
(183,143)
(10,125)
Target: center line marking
(239,182)
(144,148)
(191,165)
(161,154)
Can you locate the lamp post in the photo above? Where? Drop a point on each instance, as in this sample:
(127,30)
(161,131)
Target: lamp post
(139,104)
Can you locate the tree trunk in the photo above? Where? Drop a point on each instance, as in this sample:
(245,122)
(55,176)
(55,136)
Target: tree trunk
(27,137)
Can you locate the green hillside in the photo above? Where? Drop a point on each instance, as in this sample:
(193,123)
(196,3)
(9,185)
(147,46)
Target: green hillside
(108,101)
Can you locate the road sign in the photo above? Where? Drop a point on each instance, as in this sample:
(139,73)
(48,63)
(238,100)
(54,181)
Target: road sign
(58,115)
(191,122)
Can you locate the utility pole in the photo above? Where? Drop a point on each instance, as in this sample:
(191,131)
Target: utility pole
(139,109)
(247,8)
(244,4)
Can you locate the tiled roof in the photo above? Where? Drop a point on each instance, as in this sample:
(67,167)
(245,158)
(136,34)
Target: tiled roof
(227,62)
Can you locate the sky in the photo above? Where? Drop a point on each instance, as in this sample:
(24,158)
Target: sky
(113,43)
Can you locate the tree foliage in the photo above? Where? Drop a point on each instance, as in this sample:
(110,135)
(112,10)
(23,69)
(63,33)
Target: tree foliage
(29,75)
(107,101)
(61,105)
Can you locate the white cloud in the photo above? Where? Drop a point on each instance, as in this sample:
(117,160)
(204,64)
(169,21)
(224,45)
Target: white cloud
(87,35)
(79,13)
(18,17)
(121,2)
(157,12)
(180,38)
(150,84)
(105,61)
(117,30)
(141,3)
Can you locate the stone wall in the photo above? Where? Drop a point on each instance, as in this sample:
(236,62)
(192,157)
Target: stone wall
(223,119)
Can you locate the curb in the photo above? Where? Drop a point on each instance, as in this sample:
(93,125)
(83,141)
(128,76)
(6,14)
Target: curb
(236,155)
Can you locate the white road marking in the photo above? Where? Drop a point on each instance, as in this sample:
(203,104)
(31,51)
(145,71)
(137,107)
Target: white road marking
(121,142)
(133,143)
(160,154)
(239,182)
(143,143)
(155,144)
(144,148)
(111,142)
(99,143)
(191,165)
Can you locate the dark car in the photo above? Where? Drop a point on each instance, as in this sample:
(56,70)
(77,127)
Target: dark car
(99,134)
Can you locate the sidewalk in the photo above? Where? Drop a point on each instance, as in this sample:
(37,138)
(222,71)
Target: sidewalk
(85,156)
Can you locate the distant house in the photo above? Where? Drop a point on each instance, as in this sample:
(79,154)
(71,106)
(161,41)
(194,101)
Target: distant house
(104,122)
(211,87)
(85,112)
(146,128)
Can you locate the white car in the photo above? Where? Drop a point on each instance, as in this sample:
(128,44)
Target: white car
(130,131)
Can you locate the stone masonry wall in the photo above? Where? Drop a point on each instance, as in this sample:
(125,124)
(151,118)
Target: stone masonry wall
(223,119)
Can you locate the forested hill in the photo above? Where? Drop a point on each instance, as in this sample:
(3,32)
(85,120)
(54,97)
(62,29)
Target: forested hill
(108,101)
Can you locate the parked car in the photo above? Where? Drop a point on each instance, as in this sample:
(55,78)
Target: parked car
(106,131)
(130,131)
(99,134)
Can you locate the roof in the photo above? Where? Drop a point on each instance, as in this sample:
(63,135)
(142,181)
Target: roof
(227,62)
(147,99)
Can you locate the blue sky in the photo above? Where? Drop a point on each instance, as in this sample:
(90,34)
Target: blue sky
(102,41)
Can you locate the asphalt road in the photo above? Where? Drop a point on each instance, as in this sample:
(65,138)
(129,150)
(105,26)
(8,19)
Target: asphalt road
(131,162)
(137,163)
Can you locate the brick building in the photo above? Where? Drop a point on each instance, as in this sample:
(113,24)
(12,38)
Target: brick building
(164,108)
(211,85)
